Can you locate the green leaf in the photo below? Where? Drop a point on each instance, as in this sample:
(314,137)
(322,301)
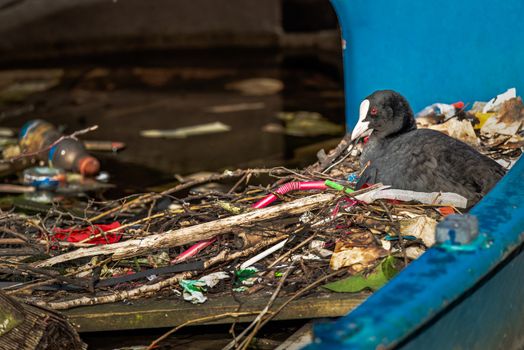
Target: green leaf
(385,271)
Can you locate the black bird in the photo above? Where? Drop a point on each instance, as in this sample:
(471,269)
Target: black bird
(414,159)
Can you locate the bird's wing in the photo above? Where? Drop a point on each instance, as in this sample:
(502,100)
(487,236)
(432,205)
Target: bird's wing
(451,165)
(368,176)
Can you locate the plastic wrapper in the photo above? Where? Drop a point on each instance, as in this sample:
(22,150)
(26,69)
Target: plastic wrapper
(437,198)
(194,289)
(458,129)
(422,227)
(357,257)
(508,121)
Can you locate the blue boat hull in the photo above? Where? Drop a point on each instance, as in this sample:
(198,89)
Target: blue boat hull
(441,51)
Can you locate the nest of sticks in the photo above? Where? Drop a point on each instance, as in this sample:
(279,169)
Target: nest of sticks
(137,247)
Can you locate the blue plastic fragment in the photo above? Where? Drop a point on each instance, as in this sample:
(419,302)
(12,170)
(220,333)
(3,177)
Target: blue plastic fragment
(43,178)
(396,238)
(353,177)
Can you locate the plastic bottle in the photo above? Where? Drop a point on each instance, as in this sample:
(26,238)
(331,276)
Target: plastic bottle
(69,154)
(457,229)
(36,135)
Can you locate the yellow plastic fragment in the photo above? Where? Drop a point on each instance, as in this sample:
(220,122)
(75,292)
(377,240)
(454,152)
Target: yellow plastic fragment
(482,117)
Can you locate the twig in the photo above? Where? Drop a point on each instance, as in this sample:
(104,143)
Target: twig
(30,285)
(45,149)
(14,233)
(144,199)
(258,319)
(195,233)
(235,186)
(155,342)
(291,251)
(349,150)
(298,294)
(49,273)
(141,291)
(400,238)
(333,154)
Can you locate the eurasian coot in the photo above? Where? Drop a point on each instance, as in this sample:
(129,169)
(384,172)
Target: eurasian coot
(414,159)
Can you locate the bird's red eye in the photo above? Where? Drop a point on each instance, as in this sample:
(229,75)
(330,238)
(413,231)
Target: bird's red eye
(374,111)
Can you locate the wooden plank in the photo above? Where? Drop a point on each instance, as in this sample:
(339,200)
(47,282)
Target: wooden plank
(153,313)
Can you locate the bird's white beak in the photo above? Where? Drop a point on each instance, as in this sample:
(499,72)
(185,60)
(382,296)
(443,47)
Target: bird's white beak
(362,127)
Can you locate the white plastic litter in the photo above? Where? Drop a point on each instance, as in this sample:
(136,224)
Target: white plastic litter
(458,129)
(262,255)
(422,227)
(180,133)
(151,277)
(506,121)
(193,289)
(414,252)
(308,256)
(317,247)
(508,164)
(385,244)
(212,279)
(437,198)
(439,108)
(499,100)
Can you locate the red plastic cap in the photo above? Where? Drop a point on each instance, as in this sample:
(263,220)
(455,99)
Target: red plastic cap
(458,105)
(88,166)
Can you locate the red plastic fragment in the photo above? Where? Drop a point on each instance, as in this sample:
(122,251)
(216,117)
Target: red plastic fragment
(445,211)
(193,250)
(458,105)
(78,235)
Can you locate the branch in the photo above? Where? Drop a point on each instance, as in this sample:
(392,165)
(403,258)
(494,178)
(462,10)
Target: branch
(185,235)
(45,149)
(139,292)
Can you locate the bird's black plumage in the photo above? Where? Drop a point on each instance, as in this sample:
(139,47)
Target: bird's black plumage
(422,160)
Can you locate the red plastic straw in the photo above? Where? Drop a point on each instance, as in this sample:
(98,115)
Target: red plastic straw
(290,186)
(193,250)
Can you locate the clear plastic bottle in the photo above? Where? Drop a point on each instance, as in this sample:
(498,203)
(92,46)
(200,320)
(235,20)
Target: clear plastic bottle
(457,229)
(36,135)
(69,154)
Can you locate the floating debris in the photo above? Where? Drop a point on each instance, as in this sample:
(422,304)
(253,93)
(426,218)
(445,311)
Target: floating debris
(304,124)
(257,86)
(180,133)
(238,107)
(17,85)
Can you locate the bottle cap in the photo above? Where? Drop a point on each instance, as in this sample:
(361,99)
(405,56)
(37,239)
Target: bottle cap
(88,166)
